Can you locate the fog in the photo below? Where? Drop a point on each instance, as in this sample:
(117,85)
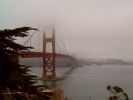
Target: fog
(89,28)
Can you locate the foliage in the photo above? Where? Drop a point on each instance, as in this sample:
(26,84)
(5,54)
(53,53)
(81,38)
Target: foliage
(14,78)
(117,93)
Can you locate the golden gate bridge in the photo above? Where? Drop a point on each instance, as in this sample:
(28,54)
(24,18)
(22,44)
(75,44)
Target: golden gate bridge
(48,55)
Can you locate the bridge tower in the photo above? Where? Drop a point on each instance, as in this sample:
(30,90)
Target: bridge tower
(49,57)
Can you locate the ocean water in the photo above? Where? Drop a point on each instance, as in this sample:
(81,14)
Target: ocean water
(86,81)
(89,82)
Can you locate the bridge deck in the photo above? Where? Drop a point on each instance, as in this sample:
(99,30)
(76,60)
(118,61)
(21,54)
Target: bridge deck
(30,54)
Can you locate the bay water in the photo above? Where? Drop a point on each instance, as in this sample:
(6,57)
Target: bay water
(89,82)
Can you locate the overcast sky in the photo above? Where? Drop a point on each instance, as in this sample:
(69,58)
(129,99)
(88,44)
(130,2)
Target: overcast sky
(90,28)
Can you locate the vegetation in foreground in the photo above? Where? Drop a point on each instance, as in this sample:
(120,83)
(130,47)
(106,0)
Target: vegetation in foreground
(15,81)
(117,93)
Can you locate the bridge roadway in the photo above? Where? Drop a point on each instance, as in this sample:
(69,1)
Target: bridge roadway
(33,54)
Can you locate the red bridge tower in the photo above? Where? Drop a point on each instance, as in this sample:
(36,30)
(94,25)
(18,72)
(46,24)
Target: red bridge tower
(49,57)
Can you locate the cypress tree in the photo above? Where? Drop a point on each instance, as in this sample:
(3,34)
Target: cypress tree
(14,77)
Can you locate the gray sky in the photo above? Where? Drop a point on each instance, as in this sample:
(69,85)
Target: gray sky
(90,28)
